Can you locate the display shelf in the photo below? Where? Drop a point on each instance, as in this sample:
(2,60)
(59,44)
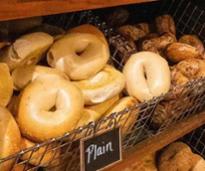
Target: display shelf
(156,143)
(14,9)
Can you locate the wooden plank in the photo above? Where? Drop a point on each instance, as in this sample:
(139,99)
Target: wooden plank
(156,143)
(14,9)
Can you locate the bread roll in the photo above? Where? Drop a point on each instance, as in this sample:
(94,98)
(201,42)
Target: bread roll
(104,85)
(144,78)
(125,120)
(101,108)
(51,112)
(26,50)
(165,24)
(10,138)
(178,157)
(6,85)
(43,156)
(177,52)
(79,59)
(22,76)
(194,41)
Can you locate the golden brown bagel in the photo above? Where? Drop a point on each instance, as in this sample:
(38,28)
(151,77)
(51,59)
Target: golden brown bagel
(132,32)
(79,55)
(101,108)
(87,117)
(157,79)
(51,112)
(6,84)
(88,28)
(10,138)
(22,76)
(127,119)
(20,167)
(194,41)
(178,157)
(165,24)
(44,156)
(177,52)
(26,50)
(187,70)
(103,86)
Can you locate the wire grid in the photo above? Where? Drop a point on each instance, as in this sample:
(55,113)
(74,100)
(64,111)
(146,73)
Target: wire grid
(64,151)
(196,140)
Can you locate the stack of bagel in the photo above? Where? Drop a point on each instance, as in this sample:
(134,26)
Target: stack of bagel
(185,56)
(54,81)
(53,85)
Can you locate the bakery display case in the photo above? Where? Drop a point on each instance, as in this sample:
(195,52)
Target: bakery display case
(147,125)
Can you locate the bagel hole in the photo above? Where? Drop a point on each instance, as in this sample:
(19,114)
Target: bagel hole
(53,108)
(80,52)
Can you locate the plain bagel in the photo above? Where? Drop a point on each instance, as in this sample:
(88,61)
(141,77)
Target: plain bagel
(79,55)
(6,84)
(10,138)
(49,108)
(103,86)
(26,50)
(44,156)
(88,28)
(147,75)
(22,76)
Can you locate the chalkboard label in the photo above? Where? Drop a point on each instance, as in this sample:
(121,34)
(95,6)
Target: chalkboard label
(101,150)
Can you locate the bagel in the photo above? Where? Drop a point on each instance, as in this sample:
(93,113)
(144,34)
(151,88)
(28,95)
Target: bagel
(194,41)
(43,156)
(88,28)
(178,157)
(22,76)
(21,167)
(10,138)
(177,52)
(79,55)
(26,50)
(49,108)
(126,120)
(6,85)
(144,78)
(165,24)
(87,117)
(103,86)
(101,108)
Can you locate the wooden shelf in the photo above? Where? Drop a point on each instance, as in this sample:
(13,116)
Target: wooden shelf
(13,9)
(156,143)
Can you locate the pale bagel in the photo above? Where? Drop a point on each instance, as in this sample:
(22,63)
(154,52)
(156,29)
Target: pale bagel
(147,75)
(126,120)
(79,55)
(88,28)
(26,50)
(54,110)
(10,138)
(87,117)
(103,86)
(44,156)
(101,108)
(6,84)
(22,76)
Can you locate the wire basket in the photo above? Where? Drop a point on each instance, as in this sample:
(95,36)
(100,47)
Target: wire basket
(63,153)
(196,140)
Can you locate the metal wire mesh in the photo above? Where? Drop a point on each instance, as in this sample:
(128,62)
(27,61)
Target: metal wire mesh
(137,122)
(196,140)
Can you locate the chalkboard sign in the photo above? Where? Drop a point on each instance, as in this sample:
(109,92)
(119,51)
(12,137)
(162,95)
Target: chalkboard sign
(101,151)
